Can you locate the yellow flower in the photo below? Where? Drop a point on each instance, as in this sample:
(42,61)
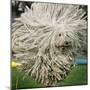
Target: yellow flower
(15,64)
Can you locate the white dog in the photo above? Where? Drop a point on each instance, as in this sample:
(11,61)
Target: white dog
(46,39)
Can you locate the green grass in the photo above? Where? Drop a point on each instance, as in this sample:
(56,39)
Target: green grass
(78,76)
(20,83)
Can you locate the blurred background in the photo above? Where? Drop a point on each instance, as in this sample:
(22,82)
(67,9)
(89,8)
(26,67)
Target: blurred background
(18,7)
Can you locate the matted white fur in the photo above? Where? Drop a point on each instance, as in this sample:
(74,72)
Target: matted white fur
(46,39)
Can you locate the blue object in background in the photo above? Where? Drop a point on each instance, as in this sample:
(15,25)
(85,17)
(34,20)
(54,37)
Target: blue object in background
(81,61)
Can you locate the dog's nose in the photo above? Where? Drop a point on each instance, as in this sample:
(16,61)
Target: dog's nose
(67,43)
(59,34)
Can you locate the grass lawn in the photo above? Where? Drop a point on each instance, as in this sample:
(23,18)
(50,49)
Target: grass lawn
(78,76)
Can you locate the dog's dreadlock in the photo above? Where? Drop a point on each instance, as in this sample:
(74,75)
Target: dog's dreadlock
(46,38)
